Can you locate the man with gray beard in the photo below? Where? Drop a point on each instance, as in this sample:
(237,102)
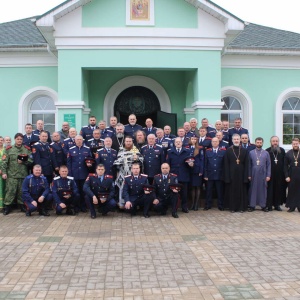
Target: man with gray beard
(276,193)
(118,138)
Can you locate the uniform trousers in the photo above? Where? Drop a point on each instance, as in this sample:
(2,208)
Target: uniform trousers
(184,194)
(142,201)
(165,202)
(81,203)
(13,191)
(219,187)
(70,203)
(107,206)
(40,206)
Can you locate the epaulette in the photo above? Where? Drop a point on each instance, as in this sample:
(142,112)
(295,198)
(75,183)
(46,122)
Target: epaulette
(208,137)
(209,149)
(30,176)
(187,147)
(169,149)
(167,138)
(85,126)
(173,174)
(70,177)
(67,139)
(101,149)
(251,145)
(127,125)
(223,149)
(231,128)
(144,146)
(36,134)
(108,176)
(37,143)
(27,147)
(92,175)
(145,175)
(85,146)
(52,143)
(90,139)
(127,176)
(157,145)
(57,177)
(225,142)
(72,147)
(158,175)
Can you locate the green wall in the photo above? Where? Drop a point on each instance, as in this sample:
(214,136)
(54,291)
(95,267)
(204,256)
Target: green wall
(263,87)
(14,83)
(112,13)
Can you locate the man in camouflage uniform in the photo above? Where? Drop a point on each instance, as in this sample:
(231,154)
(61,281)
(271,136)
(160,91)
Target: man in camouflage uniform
(14,170)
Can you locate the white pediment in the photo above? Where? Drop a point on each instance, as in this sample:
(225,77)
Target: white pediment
(62,28)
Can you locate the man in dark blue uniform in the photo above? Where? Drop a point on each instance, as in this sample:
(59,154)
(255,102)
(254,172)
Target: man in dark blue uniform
(134,194)
(36,192)
(99,190)
(65,193)
(222,143)
(167,132)
(113,121)
(132,127)
(213,168)
(153,157)
(187,129)
(70,141)
(40,128)
(41,152)
(96,142)
(29,138)
(236,129)
(204,140)
(205,124)
(245,142)
(106,156)
(149,129)
(181,134)
(58,156)
(77,166)
(176,158)
(165,142)
(87,131)
(163,194)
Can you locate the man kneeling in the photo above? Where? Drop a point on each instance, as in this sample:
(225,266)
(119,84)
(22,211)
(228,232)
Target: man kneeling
(36,192)
(134,193)
(65,192)
(99,190)
(166,191)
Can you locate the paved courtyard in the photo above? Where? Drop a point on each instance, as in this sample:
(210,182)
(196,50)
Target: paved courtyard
(201,255)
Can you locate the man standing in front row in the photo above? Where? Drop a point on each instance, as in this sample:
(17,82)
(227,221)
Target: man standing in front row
(99,189)
(164,196)
(134,194)
(14,170)
(36,192)
(259,175)
(292,176)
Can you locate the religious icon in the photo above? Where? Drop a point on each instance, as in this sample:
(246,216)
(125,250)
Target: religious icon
(140,10)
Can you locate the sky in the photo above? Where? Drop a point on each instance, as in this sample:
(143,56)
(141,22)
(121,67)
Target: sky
(273,13)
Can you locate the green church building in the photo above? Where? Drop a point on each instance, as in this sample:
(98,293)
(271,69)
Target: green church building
(168,60)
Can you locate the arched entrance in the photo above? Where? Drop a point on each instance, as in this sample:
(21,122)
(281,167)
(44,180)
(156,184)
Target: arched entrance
(137,100)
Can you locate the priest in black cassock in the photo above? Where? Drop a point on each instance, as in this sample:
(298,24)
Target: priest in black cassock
(292,176)
(276,193)
(236,176)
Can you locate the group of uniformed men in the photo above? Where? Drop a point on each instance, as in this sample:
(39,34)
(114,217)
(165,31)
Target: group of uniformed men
(148,168)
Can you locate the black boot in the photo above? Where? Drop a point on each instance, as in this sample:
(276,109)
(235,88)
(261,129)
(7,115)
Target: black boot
(22,208)
(44,212)
(6,210)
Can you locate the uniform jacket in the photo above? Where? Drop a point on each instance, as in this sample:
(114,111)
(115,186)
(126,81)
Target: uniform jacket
(76,162)
(37,132)
(214,162)
(67,144)
(60,184)
(153,158)
(161,186)
(131,130)
(93,186)
(107,158)
(152,131)
(30,141)
(133,188)
(178,165)
(34,187)
(233,130)
(42,155)
(58,156)
(107,132)
(87,132)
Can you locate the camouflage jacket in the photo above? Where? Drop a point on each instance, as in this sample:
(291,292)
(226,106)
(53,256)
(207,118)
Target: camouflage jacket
(10,165)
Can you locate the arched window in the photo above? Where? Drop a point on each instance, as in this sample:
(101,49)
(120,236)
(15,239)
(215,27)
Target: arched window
(42,108)
(231,110)
(291,119)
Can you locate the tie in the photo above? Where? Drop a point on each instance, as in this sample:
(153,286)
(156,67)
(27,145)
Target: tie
(108,151)
(215,151)
(149,129)
(135,178)
(178,150)
(165,177)
(101,179)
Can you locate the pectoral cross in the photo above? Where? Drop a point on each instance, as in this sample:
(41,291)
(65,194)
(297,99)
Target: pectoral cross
(276,160)
(238,161)
(296,163)
(257,162)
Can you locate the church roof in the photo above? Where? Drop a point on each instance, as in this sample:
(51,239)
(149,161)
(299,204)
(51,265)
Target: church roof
(262,37)
(21,34)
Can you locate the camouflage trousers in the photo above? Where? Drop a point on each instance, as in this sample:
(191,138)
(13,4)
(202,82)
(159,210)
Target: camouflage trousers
(13,191)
